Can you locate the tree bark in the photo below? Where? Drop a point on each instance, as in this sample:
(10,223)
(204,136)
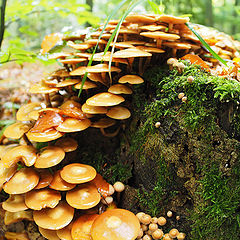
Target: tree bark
(2,24)
(209,13)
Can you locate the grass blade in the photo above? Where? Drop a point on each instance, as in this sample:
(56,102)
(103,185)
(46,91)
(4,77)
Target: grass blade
(215,55)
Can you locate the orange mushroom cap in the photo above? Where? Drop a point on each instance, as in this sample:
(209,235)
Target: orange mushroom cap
(54,218)
(132,79)
(78,173)
(14,203)
(67,144)
(16,130)
(120,89)
(93,109)
(65,233)
(85,196)
(24,110)
(118,224)
(45,178)
(119,112)
(49,234)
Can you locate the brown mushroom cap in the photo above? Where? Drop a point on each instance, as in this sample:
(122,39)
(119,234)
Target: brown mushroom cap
(54,218)
(79,46)
(131,53)
(177,45)
(72,60)
(42,198)
(49,234)
(67,144)
(16,236)
(152,27)
(102,185)
(104,99)
(150,49)
(82,227)
(65,233)
(78,173)
(173,19)
(118,224)
(67,82)
(14,203)
(25,153)
(13,217)
(85,196)
(6,173)
(24,110)
(22,181)
(160,35)
(38,88)
(86,85)
(45,178)
(132,79)
(46,136)
(49,157)
(93,109)
(103,123)
(118,112)
(73,125)
(16,130)
(120,89)
(140,18)
(59,184)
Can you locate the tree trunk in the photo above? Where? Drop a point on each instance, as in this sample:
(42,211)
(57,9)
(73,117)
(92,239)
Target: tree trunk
(209,21)
(2,24)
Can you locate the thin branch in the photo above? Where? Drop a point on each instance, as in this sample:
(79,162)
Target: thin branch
(2,22)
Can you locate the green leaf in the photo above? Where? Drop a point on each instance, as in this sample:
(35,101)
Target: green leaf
(215,55)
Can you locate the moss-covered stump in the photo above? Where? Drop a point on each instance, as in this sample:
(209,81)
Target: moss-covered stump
(189,161)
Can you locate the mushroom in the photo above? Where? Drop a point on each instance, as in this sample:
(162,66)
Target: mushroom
(42,198)
(49,157)
(24,111)
(45,178)
(120,89)
(140,19)
(162,221)
(65,233)
(84,196)
(13,217)
(22,181)
(103,187)
(173,233)
(67,82)
(78,173)
(14,203)
(49,234)
(157,234)
(67,144)
(118,112)
(132,79)
(86,85)
(16,130)
(6,173)
(118,224)
(54,218)
(104,99)
(16,236)
(93,109)
(81,228)
(181,236)
(59,184)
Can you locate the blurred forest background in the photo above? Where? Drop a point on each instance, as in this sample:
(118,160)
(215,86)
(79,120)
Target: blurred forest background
(26,22)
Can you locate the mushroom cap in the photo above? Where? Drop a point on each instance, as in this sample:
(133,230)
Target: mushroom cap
(81,228)
(60,73)
(15,203)
(16,236)
(78,173)
(67,144)
(104,99)
(38,88)
(59,184)
(49,157)
(34,115)
(140,18)
(13,217)
(46,136)
(87,85)
(93,109)
(131,53)
(177,45)
(160,35)
(152,27)
(24,110)
(42,198)
(118,112)
(24,153)
(173,19)
(6,173)
(84,196)
(72,60)
(16,130)
(45,178)
(59,55)
(73,125)
(102,185)
(120,89)
(22,181)
(49,234)
(54,218)
(151,49)
(103,123)
(79,46)
(96,41)
(65,233)
(118,224)
(132,79)
(67,82)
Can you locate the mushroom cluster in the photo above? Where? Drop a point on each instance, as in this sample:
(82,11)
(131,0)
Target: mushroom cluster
(151,228)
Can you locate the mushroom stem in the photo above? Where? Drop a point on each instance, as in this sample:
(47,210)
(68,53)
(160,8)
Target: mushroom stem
(69,88)
(114,134)
(25,138)
(48,102)
(147,62)
(159,43)
(130,63)
(74,66)
(140,66)
(170,27)
(174,52)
